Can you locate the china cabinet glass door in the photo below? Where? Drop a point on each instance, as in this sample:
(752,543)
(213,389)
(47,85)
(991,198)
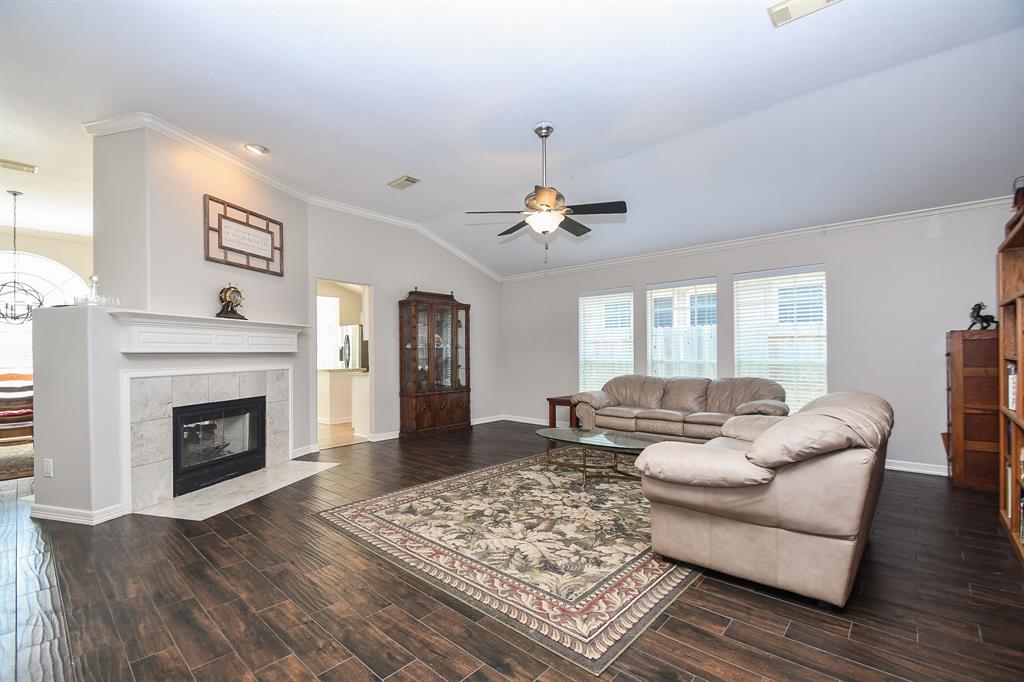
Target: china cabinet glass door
(460,347)
(442,347)
(422,347)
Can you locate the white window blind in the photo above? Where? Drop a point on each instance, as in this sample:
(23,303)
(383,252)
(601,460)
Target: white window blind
(682,329)
(780,327)
(606,337)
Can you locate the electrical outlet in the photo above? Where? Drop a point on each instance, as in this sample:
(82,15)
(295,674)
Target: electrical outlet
(48,468)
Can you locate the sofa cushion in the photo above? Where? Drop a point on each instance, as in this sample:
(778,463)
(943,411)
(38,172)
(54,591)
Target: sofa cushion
(749,427)
(662,415)
(660,427)
(617,423)
(713,418)
(596,399)
(801,437)
(793,500)
(769,407)
(725,394)
(686,394)
(700,465)
(730,443)
(620,411)
(636,390)
(702,431)
(867,414)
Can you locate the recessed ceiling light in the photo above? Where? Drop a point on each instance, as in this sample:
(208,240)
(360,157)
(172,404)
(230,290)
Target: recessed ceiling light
(18,166)
(257,149)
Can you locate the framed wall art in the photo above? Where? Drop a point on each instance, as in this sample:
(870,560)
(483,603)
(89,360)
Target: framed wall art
(234,235)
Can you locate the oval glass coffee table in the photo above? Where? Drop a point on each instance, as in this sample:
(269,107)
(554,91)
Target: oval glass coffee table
(613,443)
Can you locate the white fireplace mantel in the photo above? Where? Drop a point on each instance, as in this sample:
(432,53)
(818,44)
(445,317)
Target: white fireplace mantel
(149,332)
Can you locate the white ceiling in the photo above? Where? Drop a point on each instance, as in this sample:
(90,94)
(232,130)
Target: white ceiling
(708,121)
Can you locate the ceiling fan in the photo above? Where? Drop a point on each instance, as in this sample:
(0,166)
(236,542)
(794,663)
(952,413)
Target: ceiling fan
(546,210)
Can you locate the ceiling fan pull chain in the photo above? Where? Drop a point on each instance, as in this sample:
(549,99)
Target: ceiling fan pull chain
(545,249)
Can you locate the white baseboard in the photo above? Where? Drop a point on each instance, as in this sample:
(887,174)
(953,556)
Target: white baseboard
(305,450)
(487,420)
(917,467)
(531,420)
(327,421)
(378,437)
(69,515)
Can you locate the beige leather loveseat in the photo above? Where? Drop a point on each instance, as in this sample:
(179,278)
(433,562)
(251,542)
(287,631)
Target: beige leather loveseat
(681,408)
(786,502)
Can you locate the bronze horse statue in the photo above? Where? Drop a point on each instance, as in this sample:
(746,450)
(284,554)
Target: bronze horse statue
(983,321)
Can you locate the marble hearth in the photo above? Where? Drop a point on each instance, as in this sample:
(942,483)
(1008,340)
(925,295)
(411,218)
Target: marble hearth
(152,400)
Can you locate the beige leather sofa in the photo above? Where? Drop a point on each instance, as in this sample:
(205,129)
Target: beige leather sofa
(786,502)
(681,408)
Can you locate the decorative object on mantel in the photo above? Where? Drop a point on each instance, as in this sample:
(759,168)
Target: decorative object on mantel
(230,301)
(94,298)
(17,299)
(983,321)
(234,235)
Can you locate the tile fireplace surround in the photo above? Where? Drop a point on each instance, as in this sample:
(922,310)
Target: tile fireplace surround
(152,400)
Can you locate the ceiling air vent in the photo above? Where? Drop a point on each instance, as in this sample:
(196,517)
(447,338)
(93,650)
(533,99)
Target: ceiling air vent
(790,10)
(403,182)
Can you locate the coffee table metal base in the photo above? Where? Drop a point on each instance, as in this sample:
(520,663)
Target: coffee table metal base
(593,469)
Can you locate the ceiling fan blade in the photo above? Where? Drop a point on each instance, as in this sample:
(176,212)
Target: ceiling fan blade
(475,212)
(572,227)
(600,208)
(515,228)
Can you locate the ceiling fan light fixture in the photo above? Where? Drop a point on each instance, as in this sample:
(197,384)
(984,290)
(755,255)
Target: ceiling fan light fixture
(544,222)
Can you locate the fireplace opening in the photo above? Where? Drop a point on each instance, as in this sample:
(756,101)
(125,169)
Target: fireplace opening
(217,441)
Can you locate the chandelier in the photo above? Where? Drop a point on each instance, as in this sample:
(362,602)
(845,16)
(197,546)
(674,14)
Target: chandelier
(17,299)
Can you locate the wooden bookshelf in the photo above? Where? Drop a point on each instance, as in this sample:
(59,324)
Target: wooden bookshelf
(1010,265)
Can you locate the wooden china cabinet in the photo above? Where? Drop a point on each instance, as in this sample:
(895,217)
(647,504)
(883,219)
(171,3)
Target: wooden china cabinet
(434,347)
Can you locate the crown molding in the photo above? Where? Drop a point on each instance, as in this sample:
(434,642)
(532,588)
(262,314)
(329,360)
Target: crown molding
(47,234)
(139,120)
(408,224)
(798,233)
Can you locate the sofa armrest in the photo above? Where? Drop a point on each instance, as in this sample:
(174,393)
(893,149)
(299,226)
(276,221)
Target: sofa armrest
(749,426)
(596,399)
(701,465)
(775,408)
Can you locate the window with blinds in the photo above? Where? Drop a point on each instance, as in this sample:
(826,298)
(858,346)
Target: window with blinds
(780,330)
(606,337)
(682,329)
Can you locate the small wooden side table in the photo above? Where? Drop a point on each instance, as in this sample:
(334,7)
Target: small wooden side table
(562,401)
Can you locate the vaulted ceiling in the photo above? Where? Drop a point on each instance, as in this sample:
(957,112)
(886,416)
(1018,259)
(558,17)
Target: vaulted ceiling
(708,121)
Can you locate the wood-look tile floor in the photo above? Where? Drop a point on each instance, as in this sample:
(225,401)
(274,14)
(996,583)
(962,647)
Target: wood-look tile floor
(265,592)
(335,435)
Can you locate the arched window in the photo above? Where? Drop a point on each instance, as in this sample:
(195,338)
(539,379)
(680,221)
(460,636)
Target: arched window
(57,284)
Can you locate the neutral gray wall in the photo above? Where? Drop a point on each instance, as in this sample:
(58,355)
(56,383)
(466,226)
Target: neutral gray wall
(894,290)
(393,260)
(148,201)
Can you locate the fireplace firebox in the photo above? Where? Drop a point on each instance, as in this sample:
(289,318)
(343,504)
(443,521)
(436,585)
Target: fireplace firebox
(217,441)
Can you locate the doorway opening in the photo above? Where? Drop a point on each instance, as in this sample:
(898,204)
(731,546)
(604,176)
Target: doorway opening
(343,363)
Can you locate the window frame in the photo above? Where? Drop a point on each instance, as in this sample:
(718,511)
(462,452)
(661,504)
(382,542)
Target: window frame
(703,335)
(627,293)
(797,348)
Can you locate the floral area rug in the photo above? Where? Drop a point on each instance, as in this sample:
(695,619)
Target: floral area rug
(567,566)
(16,461)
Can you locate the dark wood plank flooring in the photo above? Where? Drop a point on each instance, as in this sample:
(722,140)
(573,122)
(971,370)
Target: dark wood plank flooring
(265,592)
